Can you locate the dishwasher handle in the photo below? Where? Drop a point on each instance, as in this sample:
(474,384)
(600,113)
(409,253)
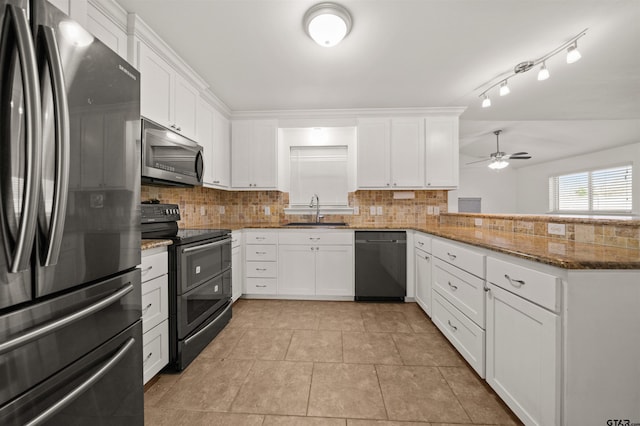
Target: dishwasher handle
(381,241)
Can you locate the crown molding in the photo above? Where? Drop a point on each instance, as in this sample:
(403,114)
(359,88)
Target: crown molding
(347,113)
(113,11)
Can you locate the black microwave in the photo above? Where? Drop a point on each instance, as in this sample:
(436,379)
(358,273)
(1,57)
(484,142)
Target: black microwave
(169,158)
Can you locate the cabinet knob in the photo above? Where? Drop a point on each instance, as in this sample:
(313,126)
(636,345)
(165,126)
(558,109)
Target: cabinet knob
(452,326)
(179,129)
(428,183)
(147,358)
(387,183)
(395,184)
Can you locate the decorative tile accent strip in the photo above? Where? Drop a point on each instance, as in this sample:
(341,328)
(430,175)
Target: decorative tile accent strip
(614,232)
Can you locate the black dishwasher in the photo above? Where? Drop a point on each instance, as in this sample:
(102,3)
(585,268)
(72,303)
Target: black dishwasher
(381,266)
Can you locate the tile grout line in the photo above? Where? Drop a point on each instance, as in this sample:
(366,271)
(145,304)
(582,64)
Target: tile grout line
(244,382)
(384,402)
(313,367)
(453,392)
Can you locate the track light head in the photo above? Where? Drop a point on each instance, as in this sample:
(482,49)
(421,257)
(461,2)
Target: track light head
(573,55)
(504,89)
(543,74)
(486,102)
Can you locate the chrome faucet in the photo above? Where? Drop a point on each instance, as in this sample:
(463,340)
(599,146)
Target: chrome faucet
(315,196)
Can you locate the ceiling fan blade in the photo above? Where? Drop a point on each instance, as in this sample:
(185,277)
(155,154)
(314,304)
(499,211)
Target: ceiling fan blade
(519,153)
(520,158)
(479,161)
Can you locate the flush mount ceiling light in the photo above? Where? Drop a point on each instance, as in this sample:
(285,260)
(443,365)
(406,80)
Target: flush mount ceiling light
(572,56)
(327,23)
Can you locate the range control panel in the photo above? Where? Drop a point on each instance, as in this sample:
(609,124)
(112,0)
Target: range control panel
(156,212)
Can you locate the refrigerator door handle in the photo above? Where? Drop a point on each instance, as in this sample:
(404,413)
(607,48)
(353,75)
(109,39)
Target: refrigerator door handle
(16,19)
(62,140)
(103,369)
(55,325)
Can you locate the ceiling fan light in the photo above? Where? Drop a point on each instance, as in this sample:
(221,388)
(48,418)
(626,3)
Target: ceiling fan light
(573,55)
(327,23)
(486,102)
(504,89)
(543,74)
(498,164)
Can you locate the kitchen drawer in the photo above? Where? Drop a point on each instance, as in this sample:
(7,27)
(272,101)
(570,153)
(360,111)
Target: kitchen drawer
(261,252)
(154,265)
(253,237)
(261,269)
(538,287)
(155,350)
(236,239)
(463,290)
(261,285)
(155,302)
(467,337)
(464,258)
(316,237)
(422,241)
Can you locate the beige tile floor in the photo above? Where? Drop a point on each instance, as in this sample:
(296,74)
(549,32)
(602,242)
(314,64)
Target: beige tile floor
(326,363)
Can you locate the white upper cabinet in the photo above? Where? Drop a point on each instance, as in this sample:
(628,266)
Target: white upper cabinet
(442,170)
(212,132)
(166,97)
(391,153)
(254,154)
(107,30)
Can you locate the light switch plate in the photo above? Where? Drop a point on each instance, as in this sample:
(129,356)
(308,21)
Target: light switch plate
(429,209)
(221,210)
(556,228)
(356,210)
(379,210)
(202,211)
(478,221)
(372,210)
(436,210)
(267,211)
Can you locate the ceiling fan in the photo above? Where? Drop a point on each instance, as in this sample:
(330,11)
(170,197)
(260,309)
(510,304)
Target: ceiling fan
(499,159)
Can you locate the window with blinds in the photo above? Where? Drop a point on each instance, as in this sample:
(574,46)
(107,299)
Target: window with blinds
(594,191)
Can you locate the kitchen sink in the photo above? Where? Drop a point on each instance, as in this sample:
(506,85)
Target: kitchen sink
(314,224)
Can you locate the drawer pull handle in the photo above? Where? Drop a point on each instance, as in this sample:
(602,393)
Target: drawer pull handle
(512,281)
(147,358)
(261,285)
(147,269)
(452,326)
(452,256)
(453,287)
(146,308)
(314,238)
(261,252)
(261,238)
(261,269)
(420,243)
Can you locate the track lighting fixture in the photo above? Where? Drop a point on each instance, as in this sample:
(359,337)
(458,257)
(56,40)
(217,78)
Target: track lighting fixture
(504,89)
(573,55)
(543,74)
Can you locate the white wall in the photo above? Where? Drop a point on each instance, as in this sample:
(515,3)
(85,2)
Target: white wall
(533,181)
(496,188)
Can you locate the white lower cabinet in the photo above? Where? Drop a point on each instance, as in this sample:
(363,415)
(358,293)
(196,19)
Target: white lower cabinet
(260,262)
(423,263)
(523,356)
(237,275)
(334,271)
(297,274)
(155,311)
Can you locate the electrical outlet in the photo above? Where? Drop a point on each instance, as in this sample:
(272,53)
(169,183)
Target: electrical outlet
(556,228)
(372,210)
(267,211)
(436,210)
(221,210)
(379,210)
(203,211)
(478,221)
(429,209)
(356,210)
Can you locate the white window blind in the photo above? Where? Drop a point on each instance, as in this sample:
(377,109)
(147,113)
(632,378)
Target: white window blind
(594,191)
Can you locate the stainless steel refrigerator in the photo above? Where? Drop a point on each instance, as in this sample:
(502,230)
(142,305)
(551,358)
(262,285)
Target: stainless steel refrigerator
(70,330)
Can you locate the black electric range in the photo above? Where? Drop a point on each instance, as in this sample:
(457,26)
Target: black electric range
(199,281)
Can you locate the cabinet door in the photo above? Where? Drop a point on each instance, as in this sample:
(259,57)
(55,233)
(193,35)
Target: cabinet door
(296,270)
(221,148)
(423,280)
(264,154)
(442,152)
(407,152)
(204,136)
(184,107)
(240,158)
(156,86)
(523,356)
(106,30)
(373,153)
(236,273)
(334,271)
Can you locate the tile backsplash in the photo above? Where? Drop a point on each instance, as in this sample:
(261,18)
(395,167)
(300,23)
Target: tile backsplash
(204,206)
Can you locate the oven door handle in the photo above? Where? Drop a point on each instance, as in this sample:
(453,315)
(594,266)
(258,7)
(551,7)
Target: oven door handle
(84,386)
(206,246)
(208,326)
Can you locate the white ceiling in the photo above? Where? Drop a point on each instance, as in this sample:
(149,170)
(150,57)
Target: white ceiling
(425,53)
